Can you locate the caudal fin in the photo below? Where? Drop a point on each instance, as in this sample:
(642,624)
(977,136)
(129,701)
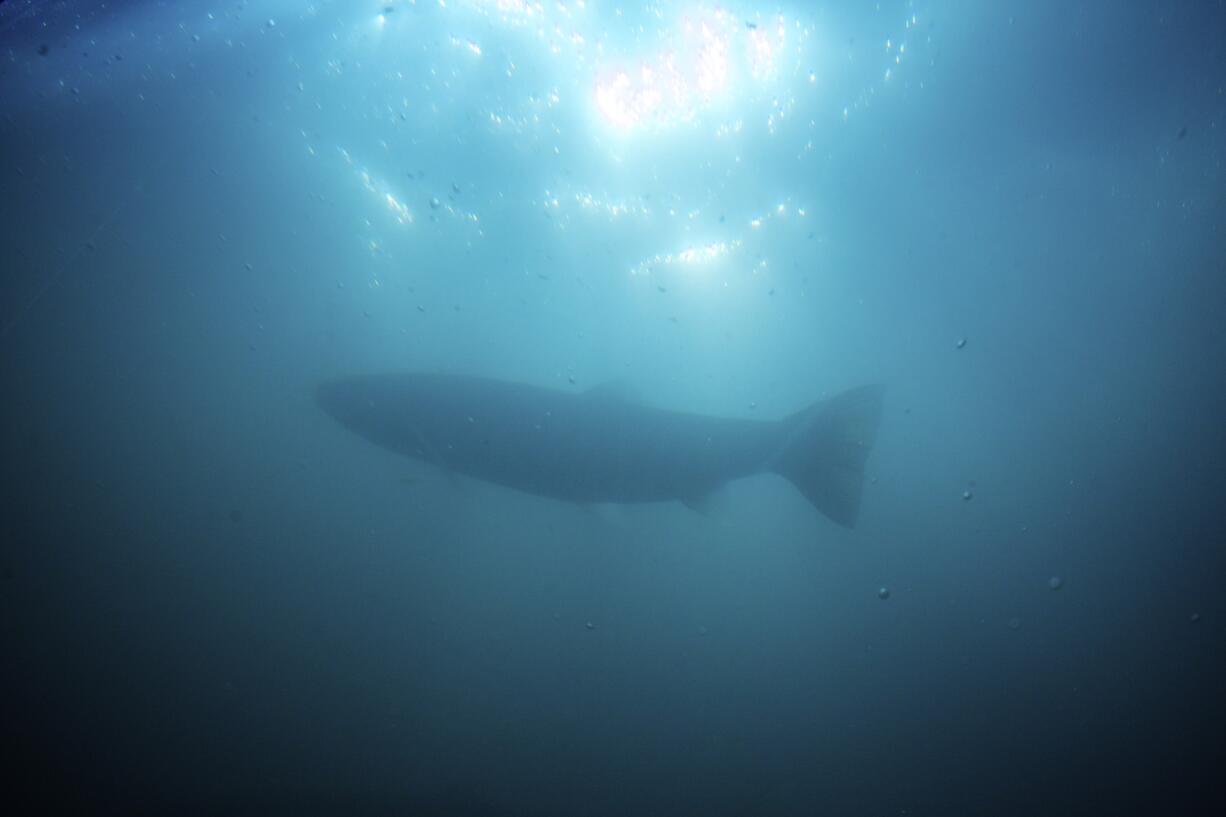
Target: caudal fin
(825,447)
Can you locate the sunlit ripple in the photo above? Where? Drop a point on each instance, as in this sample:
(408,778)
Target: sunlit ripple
(898,52)
(694,257)
(689,257)
(710,57)
(652,69)
(646,82)
(394,202)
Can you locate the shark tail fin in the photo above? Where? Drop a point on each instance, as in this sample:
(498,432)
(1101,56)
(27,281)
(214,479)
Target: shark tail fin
(825,447)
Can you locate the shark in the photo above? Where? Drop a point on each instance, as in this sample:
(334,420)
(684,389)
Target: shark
(598,446)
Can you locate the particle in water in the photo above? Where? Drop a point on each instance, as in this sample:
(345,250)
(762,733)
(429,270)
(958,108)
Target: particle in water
(967,495)
(961,343)
(590,625)
(1014,623)
(1055,582)
(434,203)
(883,593)
(1195,617)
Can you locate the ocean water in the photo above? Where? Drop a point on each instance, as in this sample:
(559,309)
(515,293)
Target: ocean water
(217,599)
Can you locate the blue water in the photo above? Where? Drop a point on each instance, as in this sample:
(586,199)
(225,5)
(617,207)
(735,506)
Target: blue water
(216,599)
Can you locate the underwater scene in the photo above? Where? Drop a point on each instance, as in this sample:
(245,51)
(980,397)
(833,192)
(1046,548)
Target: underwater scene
(577,408)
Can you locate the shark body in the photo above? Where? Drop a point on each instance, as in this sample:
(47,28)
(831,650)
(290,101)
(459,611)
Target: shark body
(595,446)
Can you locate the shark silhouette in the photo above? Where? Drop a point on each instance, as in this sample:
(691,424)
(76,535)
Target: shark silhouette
(597,446)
